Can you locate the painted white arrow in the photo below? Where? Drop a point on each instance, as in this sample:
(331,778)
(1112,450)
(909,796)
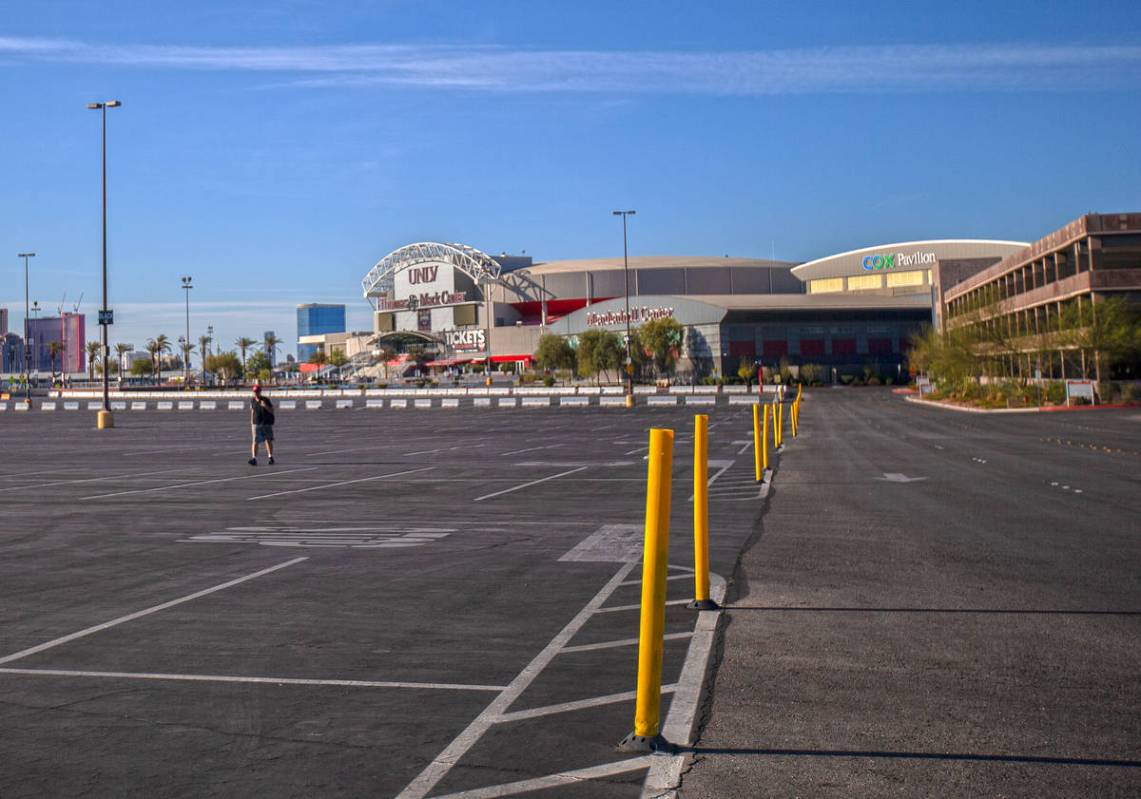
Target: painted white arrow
(896,477)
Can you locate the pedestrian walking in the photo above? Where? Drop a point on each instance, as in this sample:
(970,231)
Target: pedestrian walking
(261,423)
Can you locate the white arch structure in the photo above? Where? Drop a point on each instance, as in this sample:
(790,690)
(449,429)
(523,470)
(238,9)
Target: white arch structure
(479,266)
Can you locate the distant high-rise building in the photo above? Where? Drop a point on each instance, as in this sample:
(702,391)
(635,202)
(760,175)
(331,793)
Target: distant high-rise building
(3,321)
(316,318)
(70,330)
(11,353)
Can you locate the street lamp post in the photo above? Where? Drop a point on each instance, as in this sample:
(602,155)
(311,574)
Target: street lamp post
(487,284)
(27,349)
(104,419)
(187,285)
(626,281)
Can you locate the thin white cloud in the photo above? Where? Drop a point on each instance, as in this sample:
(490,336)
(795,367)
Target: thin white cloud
(895,68)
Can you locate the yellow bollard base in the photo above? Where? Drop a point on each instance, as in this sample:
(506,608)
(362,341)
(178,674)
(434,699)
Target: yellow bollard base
(703,604)
(645,743)
(104,421)
(629,400)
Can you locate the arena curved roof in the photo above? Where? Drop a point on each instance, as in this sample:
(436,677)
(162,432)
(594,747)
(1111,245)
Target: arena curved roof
(904,255)
(652,262)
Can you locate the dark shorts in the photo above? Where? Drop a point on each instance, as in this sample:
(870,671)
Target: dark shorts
(263,432)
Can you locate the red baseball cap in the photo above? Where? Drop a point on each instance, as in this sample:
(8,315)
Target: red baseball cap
(257,387)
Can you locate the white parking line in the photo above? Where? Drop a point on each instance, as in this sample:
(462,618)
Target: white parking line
(145,612)
(530,449)
(617,608)
(199,483)
(532,483)
(578,704)
(563,778)
(88,480)
(427,779)
(626,641)
(342,483)
(132,675)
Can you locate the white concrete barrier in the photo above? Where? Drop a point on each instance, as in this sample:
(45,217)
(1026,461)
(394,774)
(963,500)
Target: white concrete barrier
(19,406)
(3,406)
(398,403)
(748,400)
(186,405)
(613,390)
(667,400)
(593,391)
(705,389)
(47,406)
(536,402)
(449,403)
(645,390)
(71,406)
(574,401)
(287,405)
(235,405)
(138,405)
(312,405)
(118,405)
(508,402)
(95,406)
(482,402)
(695,400)
(375,404)
(345,403)
(164,406)
(208,405)
(612,401)
(735,389)
(422,403)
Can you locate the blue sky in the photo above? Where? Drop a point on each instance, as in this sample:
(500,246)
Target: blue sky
(275,151)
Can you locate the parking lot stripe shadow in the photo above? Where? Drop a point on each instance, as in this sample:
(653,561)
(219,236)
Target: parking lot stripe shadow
(131,675)
(146,612)
(342,483)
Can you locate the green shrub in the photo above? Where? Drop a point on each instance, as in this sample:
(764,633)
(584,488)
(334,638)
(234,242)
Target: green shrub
(548,380)
(874,381)
(1130,392)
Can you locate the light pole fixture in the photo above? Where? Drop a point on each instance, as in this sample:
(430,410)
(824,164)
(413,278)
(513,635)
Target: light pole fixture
(35,309)
(187,285)
(487,282)
(104,419)
(210,333)
(626,281)
(27,349)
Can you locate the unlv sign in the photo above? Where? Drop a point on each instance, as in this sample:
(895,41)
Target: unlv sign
(423,274)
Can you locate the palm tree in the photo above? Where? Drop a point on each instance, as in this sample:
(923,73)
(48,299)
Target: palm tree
(157,347)
(121,351)
(186,348)
(269,345)
(204,350)
(92,357)
(243,344)
(54,349)
(338,359)
(387,353)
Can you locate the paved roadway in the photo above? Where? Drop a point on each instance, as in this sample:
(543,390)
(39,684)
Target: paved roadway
(387,611)
(975,632)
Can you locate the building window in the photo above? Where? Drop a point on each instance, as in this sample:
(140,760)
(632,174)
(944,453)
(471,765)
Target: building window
(862,282)
(825,285)
(912,278)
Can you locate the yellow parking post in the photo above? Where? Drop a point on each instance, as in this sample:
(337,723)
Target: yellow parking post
(701,600)
(646,736)
(765,440)
(758,443)
(780,423)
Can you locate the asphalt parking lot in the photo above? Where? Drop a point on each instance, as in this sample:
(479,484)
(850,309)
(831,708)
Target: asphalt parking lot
(409,603)
(939,604)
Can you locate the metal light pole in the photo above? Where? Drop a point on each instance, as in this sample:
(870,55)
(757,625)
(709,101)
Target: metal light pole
(104,419)
(210,333)
(487,284)
(626,281)
(187,286)
(27,349)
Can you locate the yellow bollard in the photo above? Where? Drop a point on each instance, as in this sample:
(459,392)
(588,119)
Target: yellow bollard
(758,443)
(104,420)
(701,600)
(765,440)
(646,736)
(780,423)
